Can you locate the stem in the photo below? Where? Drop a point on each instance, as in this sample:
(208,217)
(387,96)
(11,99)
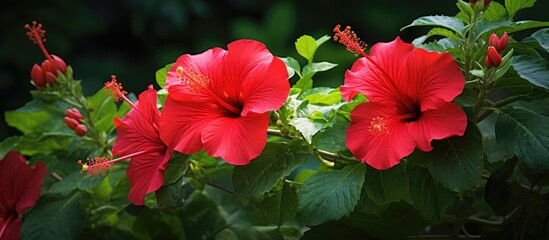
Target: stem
(497,105)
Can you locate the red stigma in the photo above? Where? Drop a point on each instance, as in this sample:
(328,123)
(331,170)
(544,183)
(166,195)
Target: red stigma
(117,91)
(36,33)
(349,38)
(97,165)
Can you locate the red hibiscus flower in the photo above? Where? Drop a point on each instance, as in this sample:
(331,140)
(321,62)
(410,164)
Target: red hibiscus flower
(409,92)
(218,100)
(138,139)
(19,190)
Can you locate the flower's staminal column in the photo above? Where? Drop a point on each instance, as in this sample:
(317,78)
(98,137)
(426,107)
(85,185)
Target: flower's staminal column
(46,73)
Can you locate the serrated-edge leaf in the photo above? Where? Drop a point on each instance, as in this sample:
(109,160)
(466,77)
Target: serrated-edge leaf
(61,219)
(495,11)
(306,47)
(440,21)
(384,186)
(535,70)
(443,32)
(524,133)
(513,6)
(456,162)
(263,173)
(334,193)
(429,197)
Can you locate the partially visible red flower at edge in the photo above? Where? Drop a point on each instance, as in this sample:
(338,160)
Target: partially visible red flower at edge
(409,92)
(19,190)
(137,139)
(218,100)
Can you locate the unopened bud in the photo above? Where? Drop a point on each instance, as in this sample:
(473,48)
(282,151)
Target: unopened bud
(74,113)
(37,76)
(59,64)
(71,122)
(498,43)
(50,78)
(81,130)
(493,59)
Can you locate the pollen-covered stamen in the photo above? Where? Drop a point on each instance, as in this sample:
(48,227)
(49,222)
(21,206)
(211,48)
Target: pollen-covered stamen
(378,126)
(36,34)
(199,82)
(100,165)
(117,90)
(349,38)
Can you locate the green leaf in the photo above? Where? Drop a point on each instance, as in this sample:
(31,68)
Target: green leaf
(307,127)
(335,192)
(527,24)
(443,32)
(8,144)
(161,75)
(465,8)
(485,27)
(177,167)
(306,82)
(306,47)
(524,133)
(154,224)
(438,21)
(170,196)
(278,207)
(104,110)
(75,180)
(61,219)
(322,40)
(35,116)
(456,162)
(333,138)
(385,186)
(513,6)
(499,193)
(318,67)
(202,217)
(396,221)
(535,70)
(276,161)
(428,196)
(292,64)
(325,98)
(542,37)
(495,11)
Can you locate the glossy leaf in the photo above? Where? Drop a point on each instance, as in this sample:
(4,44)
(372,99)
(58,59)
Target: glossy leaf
(428,196)
(177,167)
(384,186)
(542,37)
(495,11)
(438,21)
(278,207)
(513,6)
(161,75)
(456,162)
(524,133)
(318,67)
(534,70)
(61,219)
(306,47)
(335,192)
(275,162)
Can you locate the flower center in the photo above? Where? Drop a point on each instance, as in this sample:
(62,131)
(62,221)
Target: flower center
(378,126)
(100,165)
(198,83)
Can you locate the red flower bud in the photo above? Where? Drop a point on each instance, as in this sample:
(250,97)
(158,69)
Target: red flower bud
(71,122)
(37,76)
(486,2)
(81,130)
(74,113)
(59,64)
(50,78)
(48,66)
(498,43)
(503,42)
(493,59)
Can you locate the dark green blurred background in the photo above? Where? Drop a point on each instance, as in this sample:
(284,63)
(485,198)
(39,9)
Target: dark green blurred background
(134,38)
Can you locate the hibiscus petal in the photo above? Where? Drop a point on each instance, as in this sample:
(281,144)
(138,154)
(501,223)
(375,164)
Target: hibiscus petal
(432,78)
(379,81)
(380,150)
(20,184)
(183,118)
(206,63)
(146,174)
(445,121)
(265,89)
(138,129)
(236,140)
(13,230)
